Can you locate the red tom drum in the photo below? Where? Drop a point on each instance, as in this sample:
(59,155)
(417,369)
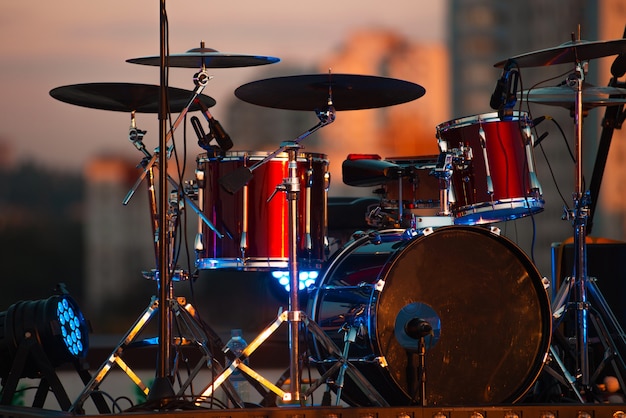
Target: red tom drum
(493,176)
(256,230)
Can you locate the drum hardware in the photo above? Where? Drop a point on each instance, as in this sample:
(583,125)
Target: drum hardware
(280,92)
(493,177)
(124,97)
(578,290)
(136,137)
(409,194)
(192,330)
(418,329)
(443,171)
(202,58)
(291,186)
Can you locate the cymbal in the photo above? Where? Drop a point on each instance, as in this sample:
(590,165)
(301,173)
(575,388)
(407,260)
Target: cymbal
(311,92)
(571,51)
(565,96)
(207,57)
(126,97)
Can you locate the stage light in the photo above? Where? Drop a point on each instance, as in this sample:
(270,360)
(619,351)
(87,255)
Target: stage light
(55,324)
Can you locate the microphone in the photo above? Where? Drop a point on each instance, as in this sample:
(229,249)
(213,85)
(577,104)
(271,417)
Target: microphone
(417,328)
(498,98)
(203,140)
(502,93)
(220,135)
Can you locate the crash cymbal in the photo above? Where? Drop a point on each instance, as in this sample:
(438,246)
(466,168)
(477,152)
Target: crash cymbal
(568,52)
(311,92)
(126,97)
(207,57)
(565,96)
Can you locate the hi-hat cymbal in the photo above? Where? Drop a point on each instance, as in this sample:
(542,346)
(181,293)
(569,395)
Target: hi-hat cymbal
(126,97)
(569,52)
(311,92)
(565,96)
(207,57)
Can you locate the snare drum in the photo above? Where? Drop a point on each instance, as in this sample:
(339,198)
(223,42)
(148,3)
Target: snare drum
(416,188)
(256,231)
(482,296)
(493,177)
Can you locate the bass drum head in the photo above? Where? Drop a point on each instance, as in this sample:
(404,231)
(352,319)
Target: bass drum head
(482,296)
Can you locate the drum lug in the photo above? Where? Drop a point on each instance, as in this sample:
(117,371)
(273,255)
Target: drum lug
(483,145)
(380,284)
(382,361)
(495,230)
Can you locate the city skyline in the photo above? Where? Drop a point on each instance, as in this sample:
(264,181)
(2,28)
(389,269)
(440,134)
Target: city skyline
(51,45)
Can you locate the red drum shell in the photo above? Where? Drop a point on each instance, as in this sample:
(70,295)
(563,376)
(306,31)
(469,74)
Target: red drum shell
(248,220)
(513,196)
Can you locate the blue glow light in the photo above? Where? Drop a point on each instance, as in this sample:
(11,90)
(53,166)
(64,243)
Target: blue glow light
(305,278)
(71,322)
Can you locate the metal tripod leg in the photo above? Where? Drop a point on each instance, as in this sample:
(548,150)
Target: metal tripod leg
(115,358)
(186,321)
(329,345)
(603,318)
(605,324)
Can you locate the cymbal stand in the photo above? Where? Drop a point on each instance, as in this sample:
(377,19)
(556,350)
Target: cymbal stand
(579,285)
(294,316)
(192,331)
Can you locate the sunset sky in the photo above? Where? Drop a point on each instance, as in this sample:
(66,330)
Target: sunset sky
(50,44)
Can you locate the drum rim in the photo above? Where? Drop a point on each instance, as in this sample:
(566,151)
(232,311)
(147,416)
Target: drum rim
(482,118)
(245,154)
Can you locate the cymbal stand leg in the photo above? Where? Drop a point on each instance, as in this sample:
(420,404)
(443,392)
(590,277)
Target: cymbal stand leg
(348,338)
(114,358)
(580,284)
(611,332)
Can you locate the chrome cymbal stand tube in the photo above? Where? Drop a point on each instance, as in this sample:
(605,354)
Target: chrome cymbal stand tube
(234,181)
(580,286)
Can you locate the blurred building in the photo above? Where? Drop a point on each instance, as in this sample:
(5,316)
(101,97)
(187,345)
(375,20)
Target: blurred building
(403,130)
(118,238)
(484,32)
(459,79)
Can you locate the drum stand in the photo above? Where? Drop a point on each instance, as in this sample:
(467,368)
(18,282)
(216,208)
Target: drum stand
(192,331)
(579,287)
(294,316)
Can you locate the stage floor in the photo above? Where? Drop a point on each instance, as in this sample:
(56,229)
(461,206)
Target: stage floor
(501,411)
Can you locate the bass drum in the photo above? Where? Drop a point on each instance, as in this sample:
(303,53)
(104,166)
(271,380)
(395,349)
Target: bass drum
(482,296)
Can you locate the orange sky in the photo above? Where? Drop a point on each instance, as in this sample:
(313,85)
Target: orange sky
(44,45)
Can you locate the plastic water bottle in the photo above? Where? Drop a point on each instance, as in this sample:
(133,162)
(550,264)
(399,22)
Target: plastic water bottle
(236,345)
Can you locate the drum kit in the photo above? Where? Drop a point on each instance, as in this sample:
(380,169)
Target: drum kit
(415,328)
